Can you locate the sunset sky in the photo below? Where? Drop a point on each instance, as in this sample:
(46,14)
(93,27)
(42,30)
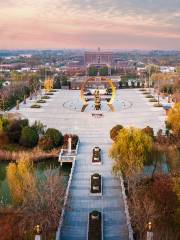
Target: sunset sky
(122,24)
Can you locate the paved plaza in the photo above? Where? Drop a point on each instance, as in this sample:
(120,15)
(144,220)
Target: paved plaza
(59,113)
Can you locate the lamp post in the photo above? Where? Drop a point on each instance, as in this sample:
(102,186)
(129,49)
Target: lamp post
(38,232)
(149,231)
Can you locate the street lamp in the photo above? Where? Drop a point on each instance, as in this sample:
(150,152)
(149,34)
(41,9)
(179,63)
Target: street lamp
(38,232)
(149,231)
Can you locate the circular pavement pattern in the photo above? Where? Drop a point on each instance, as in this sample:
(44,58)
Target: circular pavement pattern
(118,105)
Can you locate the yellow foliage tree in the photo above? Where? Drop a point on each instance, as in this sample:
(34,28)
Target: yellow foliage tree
(21,179)
(48,84)
(130,150)
(174,118)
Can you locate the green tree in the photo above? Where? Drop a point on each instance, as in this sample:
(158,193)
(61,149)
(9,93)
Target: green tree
(103,71)
(39,127)
(55,135)
(130,150)
(64,80)
(29,137)
(92,71)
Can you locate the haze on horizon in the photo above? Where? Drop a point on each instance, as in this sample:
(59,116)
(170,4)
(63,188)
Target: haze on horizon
(111,24)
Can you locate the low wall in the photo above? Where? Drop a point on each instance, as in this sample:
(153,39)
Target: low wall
(128,219)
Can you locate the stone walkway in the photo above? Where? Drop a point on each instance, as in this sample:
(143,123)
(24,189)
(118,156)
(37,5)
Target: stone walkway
(81,202)
(94,132)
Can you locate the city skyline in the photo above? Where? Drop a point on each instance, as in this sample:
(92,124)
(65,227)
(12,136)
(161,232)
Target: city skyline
(87,24)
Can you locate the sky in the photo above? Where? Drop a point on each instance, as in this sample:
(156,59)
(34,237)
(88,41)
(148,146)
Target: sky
(110,24)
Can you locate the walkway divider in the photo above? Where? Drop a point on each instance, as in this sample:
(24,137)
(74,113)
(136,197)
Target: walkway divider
(128,218)
(58,233)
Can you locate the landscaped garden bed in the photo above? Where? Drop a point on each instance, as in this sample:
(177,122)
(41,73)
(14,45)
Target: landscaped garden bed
(149,96)
(153,100)
(49,94)
(146,93)
(18,136)
(96,184)
(35,106)
(41,101)
(95,226)
(45,97)
(96,158)
(158,105)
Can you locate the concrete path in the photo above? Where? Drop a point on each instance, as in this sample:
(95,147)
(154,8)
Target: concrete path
(95,132)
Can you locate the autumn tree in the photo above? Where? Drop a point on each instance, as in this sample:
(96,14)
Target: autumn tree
(151,69)
(20,179)
(114,132)
(174,119)
(130,150)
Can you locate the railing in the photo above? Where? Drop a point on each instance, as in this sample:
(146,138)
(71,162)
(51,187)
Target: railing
(128,218)
(58,233)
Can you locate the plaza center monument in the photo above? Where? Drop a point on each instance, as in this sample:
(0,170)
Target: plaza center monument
(101,90)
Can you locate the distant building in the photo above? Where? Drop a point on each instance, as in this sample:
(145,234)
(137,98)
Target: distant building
(167,69)
(98,58)
(77,82)
(125,67)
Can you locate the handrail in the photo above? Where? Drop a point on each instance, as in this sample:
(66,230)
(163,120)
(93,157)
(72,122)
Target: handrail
(58,233)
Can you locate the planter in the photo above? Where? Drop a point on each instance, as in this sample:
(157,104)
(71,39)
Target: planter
(153,100)
(95,226)
(41,101)
(158,105)
(146,93)
(96,158)
(49,94)
(45,97)
(35,106)
(149,96)
(96,184)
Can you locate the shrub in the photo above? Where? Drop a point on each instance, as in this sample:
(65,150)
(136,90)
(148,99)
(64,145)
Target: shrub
(49,93)
(114,132)
(14,131)
(46,143)
(39,127)
(55,135)
(29,137)
(146,93)
(24,122)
